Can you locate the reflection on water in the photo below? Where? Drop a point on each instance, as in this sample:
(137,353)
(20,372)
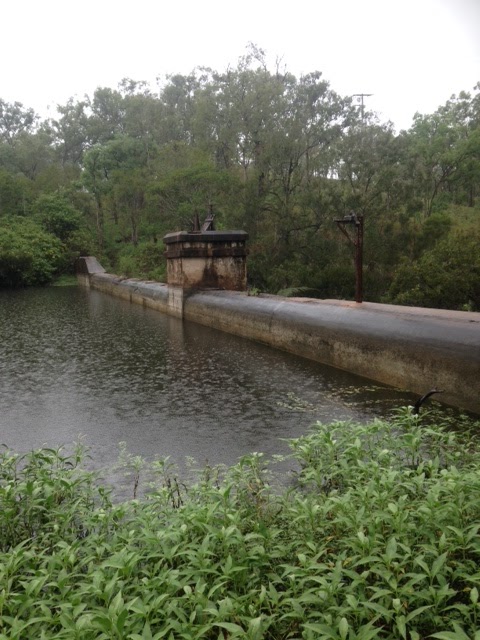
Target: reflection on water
(77,362)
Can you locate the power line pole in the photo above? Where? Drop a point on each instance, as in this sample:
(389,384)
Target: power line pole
(360,97)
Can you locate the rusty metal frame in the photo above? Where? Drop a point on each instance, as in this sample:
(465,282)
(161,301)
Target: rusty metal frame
(357,241)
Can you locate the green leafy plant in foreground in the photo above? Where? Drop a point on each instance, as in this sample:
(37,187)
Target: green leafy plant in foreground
(378,538)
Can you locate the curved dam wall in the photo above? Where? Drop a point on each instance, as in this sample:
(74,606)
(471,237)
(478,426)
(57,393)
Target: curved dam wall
(406,347)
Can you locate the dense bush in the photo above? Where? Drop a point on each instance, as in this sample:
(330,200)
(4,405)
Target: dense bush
(57,215)
(377,539)
(28,254)
(146,260)
(445,277)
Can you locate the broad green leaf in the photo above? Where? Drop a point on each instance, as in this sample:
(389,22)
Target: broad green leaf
(417,612)
(400,621)
(391,549)
(458,634)
(146,633)
(438,564)
(229,626)
(343,628)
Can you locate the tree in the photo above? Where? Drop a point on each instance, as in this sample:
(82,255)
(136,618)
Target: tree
(444,150)
(34,153)
(462,113)
(72,133)
(368,169)
(108,114)
(25,146)
(276,133)
(144,121)
(15,194)
(116,174)
(178,97)
(15,120)
(188,183)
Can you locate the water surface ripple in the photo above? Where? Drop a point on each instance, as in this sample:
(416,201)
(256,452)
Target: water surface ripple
(76,363)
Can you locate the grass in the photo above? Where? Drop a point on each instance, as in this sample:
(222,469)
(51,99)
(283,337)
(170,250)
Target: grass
(378,538)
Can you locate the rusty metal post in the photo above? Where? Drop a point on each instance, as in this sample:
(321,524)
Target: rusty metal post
(359,260)
(357,241)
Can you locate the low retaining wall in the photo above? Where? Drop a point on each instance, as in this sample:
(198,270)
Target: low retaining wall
(407,347)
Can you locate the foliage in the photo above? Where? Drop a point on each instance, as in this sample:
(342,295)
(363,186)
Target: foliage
(14,121)
(15,194)
(299,292)
(378,539)
(28,254)
(276,155)
(57,215)
(145,261)
(446,277)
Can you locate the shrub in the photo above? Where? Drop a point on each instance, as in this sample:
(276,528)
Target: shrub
(28,254)
(146,260)
(377,539)
(446,277)
(57,216)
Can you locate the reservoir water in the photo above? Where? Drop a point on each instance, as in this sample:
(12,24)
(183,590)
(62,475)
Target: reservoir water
(78,363)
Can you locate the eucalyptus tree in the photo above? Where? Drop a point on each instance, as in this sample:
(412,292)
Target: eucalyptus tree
(144,118)
(276,132)
(71,132)
(462,113)
(16,194)
(94,182)
(310,120)
(178,97)
(25,143)
(187,182)
(25,152)
(116,175)
(368,168)
(35,152)
(15,120)
(444,150)
(107,114)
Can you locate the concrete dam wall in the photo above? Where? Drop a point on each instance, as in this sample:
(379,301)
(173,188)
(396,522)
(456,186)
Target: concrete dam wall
(406,347)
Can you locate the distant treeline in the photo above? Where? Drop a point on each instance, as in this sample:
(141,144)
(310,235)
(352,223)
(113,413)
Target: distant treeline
(278,156)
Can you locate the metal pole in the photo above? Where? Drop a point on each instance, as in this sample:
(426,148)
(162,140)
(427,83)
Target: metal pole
(357,241)
(359,260)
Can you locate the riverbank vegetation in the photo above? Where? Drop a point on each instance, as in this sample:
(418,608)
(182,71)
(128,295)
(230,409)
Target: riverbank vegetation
(376,538)
(278,156)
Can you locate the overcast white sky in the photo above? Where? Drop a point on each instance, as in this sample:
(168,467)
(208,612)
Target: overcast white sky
(411,54)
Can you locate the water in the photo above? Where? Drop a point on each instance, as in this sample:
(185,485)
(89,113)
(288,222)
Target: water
(78,363)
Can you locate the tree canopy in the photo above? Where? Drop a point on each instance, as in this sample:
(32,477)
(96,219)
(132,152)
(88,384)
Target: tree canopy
(278,156)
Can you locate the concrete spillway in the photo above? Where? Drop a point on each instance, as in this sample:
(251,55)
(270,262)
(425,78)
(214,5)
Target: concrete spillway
(407,347)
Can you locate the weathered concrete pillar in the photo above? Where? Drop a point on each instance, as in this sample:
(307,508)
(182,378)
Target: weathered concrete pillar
(85,267)
(204,260)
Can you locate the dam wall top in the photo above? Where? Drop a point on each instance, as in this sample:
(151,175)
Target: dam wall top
(412,348)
